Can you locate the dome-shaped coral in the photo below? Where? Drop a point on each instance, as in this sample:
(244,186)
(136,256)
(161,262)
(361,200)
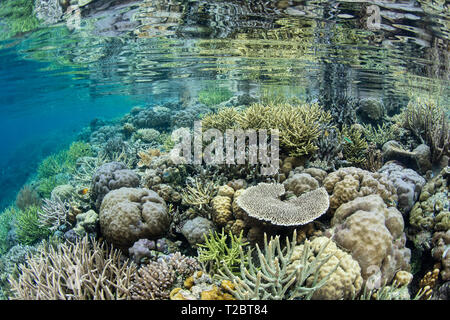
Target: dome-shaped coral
(129,214)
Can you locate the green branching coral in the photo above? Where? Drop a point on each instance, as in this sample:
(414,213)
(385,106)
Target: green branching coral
(221,251)
(429,123)
(225,118)
(6,219)
(272,279)
(51,170)
(198,195)
(354,145)
(214,95)
(299,125)
(76,150)
(28,228)
(379,135)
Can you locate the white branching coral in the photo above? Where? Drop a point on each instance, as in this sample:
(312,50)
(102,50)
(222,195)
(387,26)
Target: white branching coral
(263,203)
(85,270)
(54,213)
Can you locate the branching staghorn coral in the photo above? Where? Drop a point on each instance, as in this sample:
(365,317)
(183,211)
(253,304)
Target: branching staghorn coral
(299,125)
(216,252)
(155,280)
(53,213)
(355,146)
(272,279)
(429,124)
(224,119)
(379,135)
(199,195)
(85,270)
(86,168)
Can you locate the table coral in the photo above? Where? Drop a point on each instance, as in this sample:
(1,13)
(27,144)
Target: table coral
(263,203)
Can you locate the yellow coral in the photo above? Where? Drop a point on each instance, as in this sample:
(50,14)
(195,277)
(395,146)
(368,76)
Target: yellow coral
(215,294)
(403,278)
(344,283)
(221,210)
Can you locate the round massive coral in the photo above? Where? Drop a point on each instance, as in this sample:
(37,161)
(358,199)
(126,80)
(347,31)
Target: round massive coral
(263,203)
(407,182)
(347,184)
(344,282)
(129,214)
(373,234)
(111,176)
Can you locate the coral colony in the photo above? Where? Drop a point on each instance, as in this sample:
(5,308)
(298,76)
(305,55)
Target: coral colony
(232,187)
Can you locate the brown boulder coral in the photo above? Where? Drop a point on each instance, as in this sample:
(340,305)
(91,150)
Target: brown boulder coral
(345,280)
(130,214)
(347,184)
(373,234)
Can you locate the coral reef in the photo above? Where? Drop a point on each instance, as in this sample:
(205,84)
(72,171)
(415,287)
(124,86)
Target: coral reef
(373,234)
(347,184)
(129,214)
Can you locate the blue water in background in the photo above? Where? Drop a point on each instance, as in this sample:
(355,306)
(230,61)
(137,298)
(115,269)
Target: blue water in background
(41,113)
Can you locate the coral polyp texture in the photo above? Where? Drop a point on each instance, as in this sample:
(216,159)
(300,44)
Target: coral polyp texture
(111,176)
(373,234)
(263,203)
(347,184)
(128,214)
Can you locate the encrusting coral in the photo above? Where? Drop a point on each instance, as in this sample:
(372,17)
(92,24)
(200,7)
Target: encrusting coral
(262,202)
(84,270)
